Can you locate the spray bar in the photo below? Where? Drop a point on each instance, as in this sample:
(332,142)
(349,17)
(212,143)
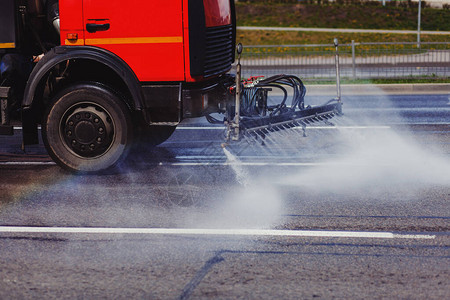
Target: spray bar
(258,116)
(253,114)
(291,119)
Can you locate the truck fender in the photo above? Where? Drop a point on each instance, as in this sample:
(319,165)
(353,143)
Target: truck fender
(63,53)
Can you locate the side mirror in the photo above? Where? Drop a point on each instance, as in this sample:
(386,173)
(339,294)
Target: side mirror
(239,48)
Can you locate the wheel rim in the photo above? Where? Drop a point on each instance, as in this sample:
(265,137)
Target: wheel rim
(87,130)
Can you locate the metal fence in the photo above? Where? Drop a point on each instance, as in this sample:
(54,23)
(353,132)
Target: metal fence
(357,60)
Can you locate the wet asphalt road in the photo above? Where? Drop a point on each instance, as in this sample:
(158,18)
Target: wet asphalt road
(383,170)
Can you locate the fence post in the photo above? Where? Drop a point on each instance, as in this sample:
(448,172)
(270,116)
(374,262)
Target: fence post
(338,75)
(418,23)
(353,60)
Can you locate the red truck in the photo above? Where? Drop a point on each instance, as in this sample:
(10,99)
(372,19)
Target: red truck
(116,68)
(114,71)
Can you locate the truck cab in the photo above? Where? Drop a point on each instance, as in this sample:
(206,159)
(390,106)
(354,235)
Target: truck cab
(113,72)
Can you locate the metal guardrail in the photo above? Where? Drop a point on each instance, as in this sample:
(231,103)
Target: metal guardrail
(357,60)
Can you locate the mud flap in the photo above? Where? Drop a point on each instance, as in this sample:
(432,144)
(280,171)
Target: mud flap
(29,128)
(5,127)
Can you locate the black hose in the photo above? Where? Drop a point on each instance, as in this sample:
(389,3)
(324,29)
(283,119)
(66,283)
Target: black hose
(248,105)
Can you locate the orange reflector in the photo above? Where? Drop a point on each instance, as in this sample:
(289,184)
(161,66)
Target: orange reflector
(72,36)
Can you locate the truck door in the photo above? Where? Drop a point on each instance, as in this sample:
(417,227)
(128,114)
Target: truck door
(147,35)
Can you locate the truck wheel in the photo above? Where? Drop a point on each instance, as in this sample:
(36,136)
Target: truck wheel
(87,128)
(154,135)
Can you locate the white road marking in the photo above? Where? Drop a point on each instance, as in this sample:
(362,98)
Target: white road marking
(182,164)
(229,232)
(307,127)
(204,163)
(345,127)
(186,164)
(223,127)
(27,163)
(208,162)
(20,127)
(249,164)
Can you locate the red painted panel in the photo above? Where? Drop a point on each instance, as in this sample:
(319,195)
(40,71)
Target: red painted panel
(217,12)
(147,35)
(71,18)
(151,36)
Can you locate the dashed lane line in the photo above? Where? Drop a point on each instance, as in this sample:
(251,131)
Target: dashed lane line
(300,128)
(207,162)
(215,232)
(27,163)
(308,127)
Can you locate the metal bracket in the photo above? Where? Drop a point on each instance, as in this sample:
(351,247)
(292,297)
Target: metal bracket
(233,126)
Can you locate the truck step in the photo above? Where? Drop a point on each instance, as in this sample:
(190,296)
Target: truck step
(6,130)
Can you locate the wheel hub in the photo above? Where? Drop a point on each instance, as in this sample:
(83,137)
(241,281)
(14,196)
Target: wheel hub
(88,131)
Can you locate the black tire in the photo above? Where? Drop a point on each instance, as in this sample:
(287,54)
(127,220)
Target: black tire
(152,136)
(87,128)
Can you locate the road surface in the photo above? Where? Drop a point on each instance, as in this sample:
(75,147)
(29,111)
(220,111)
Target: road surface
(355,210)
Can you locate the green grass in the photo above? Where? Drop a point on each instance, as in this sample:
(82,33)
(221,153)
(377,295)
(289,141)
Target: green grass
(364,16)
(341,14)
(352,14)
